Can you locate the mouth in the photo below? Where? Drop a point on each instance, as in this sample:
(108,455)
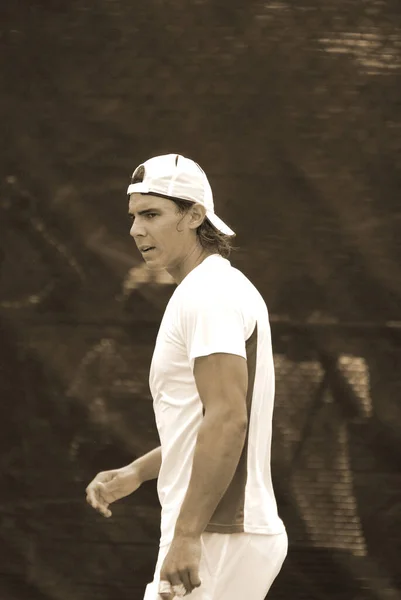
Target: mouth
(147,249)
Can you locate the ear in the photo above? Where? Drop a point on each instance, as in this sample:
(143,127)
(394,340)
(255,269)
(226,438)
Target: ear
(197,216)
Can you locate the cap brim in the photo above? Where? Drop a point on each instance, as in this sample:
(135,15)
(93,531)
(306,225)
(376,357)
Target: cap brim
(219,224)
(139,188)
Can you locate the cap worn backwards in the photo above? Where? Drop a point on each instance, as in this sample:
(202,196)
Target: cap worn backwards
(176,176)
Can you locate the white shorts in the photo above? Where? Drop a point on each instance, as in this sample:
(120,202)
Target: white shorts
(234,566)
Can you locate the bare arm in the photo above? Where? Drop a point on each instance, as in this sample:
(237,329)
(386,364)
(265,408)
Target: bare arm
(222,381)
(148,465)
(109,486)
(217,454)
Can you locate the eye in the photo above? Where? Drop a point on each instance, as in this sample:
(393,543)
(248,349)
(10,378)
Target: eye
(151,215)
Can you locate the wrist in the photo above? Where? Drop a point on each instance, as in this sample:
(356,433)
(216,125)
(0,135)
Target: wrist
(147,467)
(186,534)
(133,471)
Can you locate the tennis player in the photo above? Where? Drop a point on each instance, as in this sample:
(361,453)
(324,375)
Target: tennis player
(212,383)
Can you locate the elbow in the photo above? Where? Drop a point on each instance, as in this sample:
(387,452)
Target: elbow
(236,431)
(239,418)
(243,426)
(238,423)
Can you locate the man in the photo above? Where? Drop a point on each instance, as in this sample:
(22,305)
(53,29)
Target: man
(212,383)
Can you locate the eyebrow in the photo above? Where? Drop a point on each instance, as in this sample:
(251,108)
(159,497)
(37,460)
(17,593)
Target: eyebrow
(144,212)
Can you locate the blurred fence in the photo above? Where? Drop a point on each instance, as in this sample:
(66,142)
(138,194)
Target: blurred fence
(294,112)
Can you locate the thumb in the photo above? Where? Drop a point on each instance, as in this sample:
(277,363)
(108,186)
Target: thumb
(194,577)
(107,491)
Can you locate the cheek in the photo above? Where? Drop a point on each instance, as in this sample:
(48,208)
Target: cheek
(169,236)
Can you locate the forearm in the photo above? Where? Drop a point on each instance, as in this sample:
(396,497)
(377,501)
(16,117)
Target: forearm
(217,453)
(148,465)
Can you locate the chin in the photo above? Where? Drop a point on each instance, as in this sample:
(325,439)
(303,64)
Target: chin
(154,266)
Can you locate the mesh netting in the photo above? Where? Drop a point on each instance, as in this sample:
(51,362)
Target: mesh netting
(293,110)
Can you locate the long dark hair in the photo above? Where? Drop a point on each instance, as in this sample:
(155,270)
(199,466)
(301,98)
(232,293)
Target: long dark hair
(209,237)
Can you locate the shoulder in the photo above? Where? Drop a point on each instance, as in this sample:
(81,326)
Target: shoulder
(216,288)
(211,294)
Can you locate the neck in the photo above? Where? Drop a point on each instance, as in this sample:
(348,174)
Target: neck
(192,260)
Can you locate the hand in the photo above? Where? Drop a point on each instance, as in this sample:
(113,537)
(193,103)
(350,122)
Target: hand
(109,486)
(181,566)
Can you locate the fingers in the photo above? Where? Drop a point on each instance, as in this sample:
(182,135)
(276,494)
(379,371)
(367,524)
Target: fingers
(167,591)
(103,502)
(91,496)
(194,579)
(178,586)
(96,498)
(185,582)
(109,491)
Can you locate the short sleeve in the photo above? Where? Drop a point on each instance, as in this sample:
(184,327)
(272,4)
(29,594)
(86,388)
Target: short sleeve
(214,325)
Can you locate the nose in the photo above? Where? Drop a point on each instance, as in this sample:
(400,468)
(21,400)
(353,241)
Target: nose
(137,230)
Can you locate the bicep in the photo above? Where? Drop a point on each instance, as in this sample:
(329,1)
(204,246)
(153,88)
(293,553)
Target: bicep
(222,382)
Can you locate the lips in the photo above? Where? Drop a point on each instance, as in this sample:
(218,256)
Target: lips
(146,249)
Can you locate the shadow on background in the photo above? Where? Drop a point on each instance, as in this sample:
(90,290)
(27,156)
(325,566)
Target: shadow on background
(293,112)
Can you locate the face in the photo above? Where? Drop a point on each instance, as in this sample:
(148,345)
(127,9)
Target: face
(170,235)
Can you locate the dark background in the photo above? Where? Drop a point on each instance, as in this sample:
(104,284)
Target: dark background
(294,111)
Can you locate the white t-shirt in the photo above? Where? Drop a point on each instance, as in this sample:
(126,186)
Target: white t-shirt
(214,309)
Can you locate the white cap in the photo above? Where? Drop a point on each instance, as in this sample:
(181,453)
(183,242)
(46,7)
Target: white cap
(175,176)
